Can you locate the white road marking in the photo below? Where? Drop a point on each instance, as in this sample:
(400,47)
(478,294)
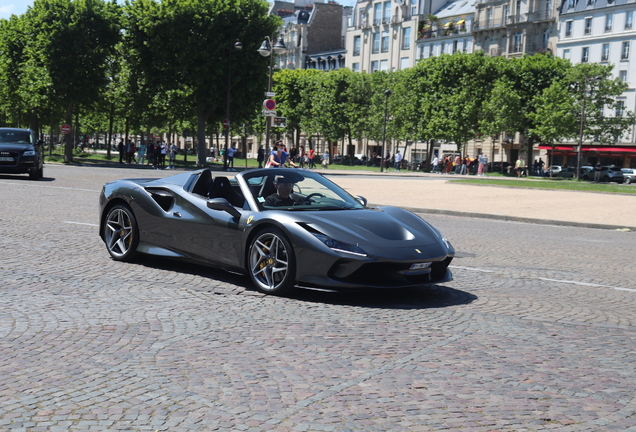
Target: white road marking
(40,185)
(552,280)
(80,223)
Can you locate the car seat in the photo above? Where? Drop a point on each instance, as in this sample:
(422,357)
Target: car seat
(221,188)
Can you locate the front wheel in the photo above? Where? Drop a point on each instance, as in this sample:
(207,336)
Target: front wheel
(121,233)
(271,262)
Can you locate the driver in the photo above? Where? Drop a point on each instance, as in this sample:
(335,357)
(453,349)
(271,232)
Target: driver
(284,196)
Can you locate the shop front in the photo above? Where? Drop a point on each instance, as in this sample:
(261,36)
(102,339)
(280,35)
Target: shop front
(620,156)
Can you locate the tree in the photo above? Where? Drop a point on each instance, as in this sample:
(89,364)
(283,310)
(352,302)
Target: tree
(187,44)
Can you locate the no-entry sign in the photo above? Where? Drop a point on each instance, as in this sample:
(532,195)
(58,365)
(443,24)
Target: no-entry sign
(65,128)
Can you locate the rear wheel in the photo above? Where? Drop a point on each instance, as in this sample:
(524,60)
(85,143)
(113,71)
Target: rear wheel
(271,262)
(121,233)
(628,180)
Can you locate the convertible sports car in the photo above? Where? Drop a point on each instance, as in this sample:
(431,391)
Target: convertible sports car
(283,227)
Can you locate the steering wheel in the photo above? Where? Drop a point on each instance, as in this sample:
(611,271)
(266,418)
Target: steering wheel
(308,198)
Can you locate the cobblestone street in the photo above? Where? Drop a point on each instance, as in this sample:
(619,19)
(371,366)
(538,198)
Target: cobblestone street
(536,332)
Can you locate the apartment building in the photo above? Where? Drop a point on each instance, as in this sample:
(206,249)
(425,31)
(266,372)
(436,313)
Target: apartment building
(448,30)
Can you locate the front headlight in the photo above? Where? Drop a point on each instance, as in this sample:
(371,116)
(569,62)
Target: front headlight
(29,153)
(339,246)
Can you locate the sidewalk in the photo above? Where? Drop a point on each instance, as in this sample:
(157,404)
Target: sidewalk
(433,193)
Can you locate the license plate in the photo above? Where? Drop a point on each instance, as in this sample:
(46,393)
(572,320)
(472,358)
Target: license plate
(418,266)
(6,159)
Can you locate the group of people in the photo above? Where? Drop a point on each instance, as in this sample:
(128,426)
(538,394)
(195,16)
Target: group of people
(460,165)
(280,157)
(152,154)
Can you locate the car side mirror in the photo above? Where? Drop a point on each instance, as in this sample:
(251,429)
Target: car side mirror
(223,205)
(361,200)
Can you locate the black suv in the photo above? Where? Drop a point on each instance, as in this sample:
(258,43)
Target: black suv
(20,153)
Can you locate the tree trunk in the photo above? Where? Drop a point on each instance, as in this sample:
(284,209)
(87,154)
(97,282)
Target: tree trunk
(68,146)
(201,118)
(111,120)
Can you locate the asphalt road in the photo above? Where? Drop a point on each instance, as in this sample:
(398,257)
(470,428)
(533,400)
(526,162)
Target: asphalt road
(536,332)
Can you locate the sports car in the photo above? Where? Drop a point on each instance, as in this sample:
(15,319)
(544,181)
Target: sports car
(283,227)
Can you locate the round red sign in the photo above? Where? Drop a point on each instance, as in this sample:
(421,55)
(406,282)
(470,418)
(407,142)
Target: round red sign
(269,104)
(65,128)
(226,123)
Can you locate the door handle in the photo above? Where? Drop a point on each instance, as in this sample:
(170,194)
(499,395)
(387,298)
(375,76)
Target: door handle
(176,214)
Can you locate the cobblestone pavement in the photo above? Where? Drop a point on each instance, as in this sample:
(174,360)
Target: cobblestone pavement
(536,332)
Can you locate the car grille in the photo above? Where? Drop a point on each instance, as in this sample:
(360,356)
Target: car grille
(9,154)
(392,274)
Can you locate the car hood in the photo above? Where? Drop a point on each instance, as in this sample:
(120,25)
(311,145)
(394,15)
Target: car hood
(386,226)
(15,147)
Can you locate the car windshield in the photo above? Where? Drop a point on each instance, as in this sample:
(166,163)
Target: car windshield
(15,137)
(297,190)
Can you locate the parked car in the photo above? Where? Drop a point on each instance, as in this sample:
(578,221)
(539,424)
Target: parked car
(568,172)
(552,170)
(21,153)
(629,174)
(608,174)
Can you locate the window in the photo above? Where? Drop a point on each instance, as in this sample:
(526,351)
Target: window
(570,4)
(568,28)
(465,48)
(620,108)
(454,46)
(590,2)
(404,63)
(588,26)
(374,66)
(356,45)
(585,55)
(506,14)
(566,54)
(385,41)
(623,76)
(629,19)
(406,38)
(625,51)
(504,45)
(384,65)
(387,13)
(355,67)
(605,52)
(422,48)
(545,39)
(488,17)
(608,22)
(376,43)
(431,50)
(517,42)
(377,14)
(441,51)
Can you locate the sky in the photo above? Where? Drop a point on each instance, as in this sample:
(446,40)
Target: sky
(18,7)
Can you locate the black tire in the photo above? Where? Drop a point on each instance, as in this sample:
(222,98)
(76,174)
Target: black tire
(628,180)
(121,233)
(271,262)
(37,174)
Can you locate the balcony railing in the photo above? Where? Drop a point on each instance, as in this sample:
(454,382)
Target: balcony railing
(499,22)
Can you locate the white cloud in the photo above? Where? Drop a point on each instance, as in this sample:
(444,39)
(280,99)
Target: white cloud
(7,10)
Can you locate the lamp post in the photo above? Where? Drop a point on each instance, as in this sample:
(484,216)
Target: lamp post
(266,50)
(387,93)
(582,128)
(237,45)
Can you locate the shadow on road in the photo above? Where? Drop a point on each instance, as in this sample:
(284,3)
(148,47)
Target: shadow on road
(424,297)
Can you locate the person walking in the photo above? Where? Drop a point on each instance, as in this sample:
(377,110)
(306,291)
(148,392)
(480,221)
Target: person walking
(230,157)
(435,165)
(398,160)
(260,156)
(164,151)
(325,160)
(121,149)
(519,167)
(141,154)
(312,155)
(480,169)
(172,155)
(597,172)
(301,157)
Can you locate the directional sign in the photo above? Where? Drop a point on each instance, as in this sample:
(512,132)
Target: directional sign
(267,113)
(269,104)
(65,128)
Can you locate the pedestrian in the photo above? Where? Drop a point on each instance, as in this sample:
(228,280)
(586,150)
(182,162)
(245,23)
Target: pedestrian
(467,162)
(458,164)
(325,160)
(301,156)
(172,155)
(164,151)
(541,165)
(480,170)
(435,164)
(156,162)
(519,167)
(597,172)
(133,150)
(448,165)
(150,151)
(141,154)
(462,170)
(230,157)
(312,155)
(260,156)
(121,149)
(398,160)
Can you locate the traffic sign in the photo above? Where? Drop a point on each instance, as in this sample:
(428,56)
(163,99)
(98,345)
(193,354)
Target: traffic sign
(65,128)
(270,94)
(268,113)
(269,104)
(226,123)
(280,122)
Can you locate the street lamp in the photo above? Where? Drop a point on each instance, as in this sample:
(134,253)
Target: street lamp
(387,93)
(266,50)
(582,128)
(237,45)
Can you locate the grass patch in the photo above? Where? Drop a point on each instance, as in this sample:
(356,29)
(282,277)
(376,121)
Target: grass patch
(553,184)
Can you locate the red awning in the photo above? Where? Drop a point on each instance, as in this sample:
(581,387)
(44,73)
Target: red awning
(610,149)
(557,147)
